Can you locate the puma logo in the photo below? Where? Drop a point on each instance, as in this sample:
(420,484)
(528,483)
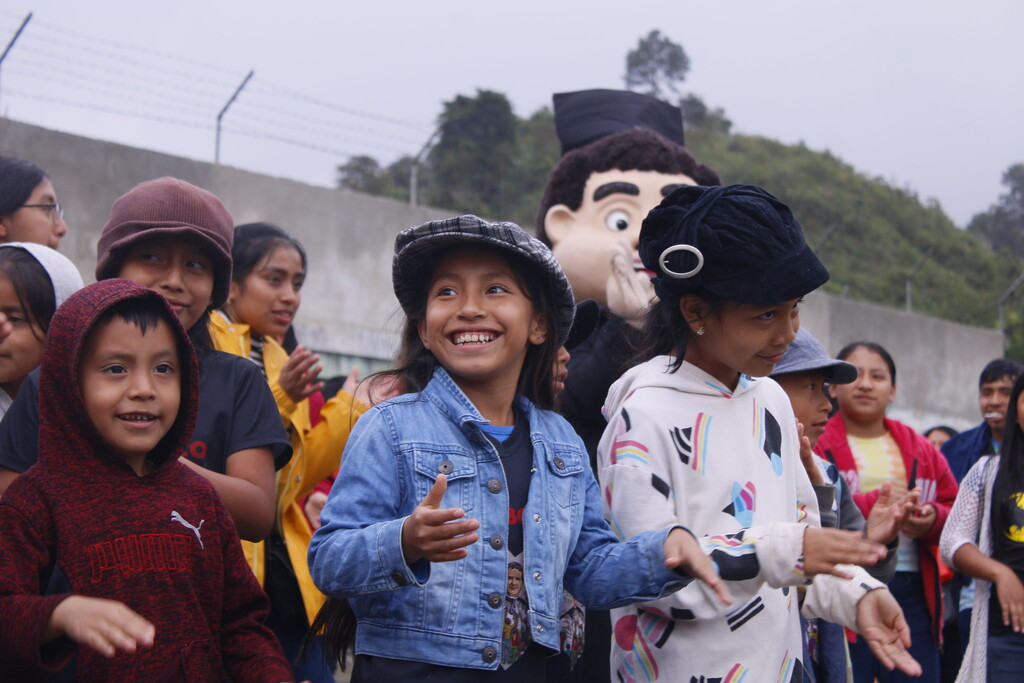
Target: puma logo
(175,517)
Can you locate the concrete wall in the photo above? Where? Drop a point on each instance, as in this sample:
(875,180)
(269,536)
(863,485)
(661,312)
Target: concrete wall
(349,310)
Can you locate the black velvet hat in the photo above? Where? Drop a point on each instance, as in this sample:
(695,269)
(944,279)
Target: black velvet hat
(587,115)
(734,243)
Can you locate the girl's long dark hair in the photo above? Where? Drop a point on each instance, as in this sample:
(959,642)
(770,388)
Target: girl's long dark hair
(18,178)
(666,330)
(414,369)
(1010,477)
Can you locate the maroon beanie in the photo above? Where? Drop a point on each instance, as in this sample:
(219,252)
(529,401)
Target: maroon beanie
(168,207)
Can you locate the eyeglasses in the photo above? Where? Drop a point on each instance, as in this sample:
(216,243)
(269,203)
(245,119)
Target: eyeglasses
(54,210)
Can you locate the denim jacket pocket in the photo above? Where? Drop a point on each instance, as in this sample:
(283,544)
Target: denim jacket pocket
(460,468)
(565,485)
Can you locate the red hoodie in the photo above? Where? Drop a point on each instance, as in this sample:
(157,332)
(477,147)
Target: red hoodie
(163,543)
(931,472)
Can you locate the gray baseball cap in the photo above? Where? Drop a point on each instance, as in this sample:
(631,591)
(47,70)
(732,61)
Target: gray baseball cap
(806,354)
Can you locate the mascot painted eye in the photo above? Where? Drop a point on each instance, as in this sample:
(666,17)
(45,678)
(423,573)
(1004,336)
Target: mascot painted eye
(617,221)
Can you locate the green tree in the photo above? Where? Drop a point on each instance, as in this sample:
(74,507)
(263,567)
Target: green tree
(1002,225)
(697,114)
(657,67)
(361,173)
(473,161)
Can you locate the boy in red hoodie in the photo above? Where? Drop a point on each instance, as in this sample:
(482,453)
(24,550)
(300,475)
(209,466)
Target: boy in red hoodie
(160,588)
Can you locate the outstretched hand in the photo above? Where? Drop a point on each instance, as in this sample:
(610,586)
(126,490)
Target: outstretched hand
(889,512)
(106,626)
(437,534)
(683,552)
(826,548)
(881,623)
(298,375)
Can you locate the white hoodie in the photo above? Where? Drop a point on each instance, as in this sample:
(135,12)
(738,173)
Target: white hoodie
(680,449)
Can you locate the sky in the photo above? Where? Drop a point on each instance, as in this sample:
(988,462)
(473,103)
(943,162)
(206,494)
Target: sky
(925,94)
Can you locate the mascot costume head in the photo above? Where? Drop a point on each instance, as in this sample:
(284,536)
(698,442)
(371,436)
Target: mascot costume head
(622,152)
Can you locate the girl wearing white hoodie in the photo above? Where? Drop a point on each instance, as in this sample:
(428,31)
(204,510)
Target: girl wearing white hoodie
(697,435)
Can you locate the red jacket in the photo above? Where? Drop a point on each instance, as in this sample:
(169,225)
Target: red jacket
(163,543)
(930,471)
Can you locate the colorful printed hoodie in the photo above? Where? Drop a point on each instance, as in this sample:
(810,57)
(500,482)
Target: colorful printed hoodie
(682,449)
(162,543)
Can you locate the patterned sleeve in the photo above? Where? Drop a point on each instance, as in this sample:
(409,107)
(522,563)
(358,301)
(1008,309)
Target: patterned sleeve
(635,476)
(964,522)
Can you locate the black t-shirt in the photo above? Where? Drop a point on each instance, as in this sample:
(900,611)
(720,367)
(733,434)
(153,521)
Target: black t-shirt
(236,411)
(1008,548)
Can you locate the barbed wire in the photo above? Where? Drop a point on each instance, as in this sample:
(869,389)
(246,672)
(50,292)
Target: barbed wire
(173,89)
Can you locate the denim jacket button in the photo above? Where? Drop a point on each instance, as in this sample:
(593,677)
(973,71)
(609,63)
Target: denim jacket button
(537,576)
(559,463)
(399,578)
(494,600)
(540,628)
(494,485)
(490,654)
(497,542)
(445,467)
(536,517)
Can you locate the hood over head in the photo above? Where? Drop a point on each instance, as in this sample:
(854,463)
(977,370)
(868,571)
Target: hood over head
(67,436)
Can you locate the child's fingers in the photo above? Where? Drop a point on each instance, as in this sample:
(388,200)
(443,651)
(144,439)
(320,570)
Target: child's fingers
(436,493)
(825,548)
(682,550)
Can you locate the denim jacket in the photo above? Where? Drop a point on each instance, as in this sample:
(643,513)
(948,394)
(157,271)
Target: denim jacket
(452,612)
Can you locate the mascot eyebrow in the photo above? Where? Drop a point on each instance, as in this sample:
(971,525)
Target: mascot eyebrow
(628,188)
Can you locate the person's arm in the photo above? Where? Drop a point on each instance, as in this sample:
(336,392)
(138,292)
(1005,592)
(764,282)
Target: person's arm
(247,490)
(19,432)
(249,649)
(971,561)
(25,613)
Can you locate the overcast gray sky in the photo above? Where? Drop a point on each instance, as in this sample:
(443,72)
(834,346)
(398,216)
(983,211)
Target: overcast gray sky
(927,94)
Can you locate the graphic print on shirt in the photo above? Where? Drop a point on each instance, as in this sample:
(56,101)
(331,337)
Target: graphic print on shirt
(176,517)
(735,556)
(138,553)
(1015,530)
(692,442)
(768,434)
(515,635)
(637,634)
(743,503)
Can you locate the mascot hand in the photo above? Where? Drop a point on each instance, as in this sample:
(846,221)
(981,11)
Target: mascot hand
(629,291)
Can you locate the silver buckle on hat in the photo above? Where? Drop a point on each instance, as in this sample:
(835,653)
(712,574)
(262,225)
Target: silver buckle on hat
(681,247)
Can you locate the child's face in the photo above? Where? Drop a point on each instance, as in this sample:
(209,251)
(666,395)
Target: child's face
(742,338)
(40,224)
(22,350)
(177,268)
(479,320)
(561,371)
(131,386)
(866,399)
(806,391)
(268,297)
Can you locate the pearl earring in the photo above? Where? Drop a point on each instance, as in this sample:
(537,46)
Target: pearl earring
(700,331)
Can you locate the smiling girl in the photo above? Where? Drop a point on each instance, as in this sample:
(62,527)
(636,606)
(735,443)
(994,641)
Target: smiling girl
(870,449)
(256,323)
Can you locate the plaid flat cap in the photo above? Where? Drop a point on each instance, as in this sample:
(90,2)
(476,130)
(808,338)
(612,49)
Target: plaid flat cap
(418,248)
